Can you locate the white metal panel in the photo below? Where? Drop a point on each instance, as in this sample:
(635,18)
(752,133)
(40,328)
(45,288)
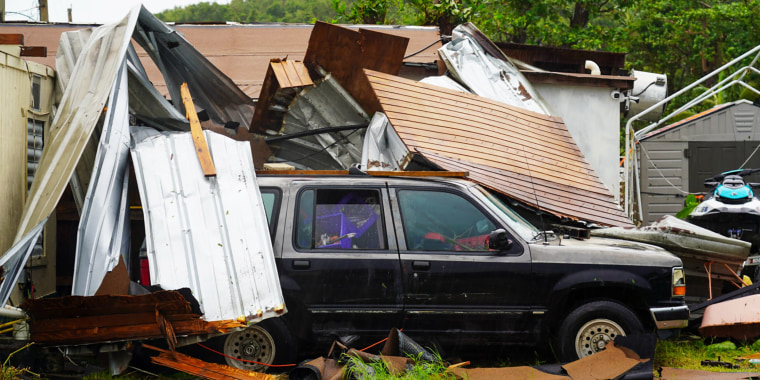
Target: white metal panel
(207,234)
(103,233)
(488,76)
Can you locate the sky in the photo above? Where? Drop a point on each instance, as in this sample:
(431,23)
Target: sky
(89,11)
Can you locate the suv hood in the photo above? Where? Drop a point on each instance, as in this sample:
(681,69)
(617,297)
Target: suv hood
(597,250)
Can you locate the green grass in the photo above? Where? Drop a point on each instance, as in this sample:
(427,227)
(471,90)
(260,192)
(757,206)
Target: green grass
(356,368)
(689,352)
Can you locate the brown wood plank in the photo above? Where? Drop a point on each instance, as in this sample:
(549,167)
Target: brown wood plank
(523,158)
(294,79)
(11,39)
(169,302)
(201,147)
(532,140)
(34,51)
(99,334)
(279,73)
(200,368)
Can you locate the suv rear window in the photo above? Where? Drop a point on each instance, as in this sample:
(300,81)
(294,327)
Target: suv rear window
(333,218)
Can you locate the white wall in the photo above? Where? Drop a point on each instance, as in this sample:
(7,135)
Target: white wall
(593,118)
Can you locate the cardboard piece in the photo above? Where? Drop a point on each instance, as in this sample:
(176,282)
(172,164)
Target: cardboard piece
(608,364)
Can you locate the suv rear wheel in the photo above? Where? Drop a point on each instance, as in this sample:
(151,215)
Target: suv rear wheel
(590,327)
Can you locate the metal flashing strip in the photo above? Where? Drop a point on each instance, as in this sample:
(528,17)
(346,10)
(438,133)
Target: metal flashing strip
(103,233)
(207,234)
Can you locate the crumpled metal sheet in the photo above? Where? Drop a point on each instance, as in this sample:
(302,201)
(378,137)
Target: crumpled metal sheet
(180,62)
(207,234)
(488,76)
(13,261)
(77,115)
(383,149)
(325,105)
(103,233)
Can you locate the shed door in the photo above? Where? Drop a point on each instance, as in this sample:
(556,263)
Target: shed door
(706,159)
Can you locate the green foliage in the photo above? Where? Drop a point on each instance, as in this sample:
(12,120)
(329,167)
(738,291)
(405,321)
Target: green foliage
(691,203)
(249,11)
(356,368)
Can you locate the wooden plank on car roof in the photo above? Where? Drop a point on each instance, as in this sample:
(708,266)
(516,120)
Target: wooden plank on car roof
(199,139)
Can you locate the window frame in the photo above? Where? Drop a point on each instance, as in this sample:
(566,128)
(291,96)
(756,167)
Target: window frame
(272,224)
(483,210)
(382,217)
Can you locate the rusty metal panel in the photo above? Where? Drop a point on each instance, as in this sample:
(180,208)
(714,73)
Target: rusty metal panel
(208,234)
(344,52)
(523,154)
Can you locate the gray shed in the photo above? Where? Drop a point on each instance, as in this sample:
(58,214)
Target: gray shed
(675,160)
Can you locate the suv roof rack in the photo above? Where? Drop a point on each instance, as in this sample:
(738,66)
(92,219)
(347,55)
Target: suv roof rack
(371,173)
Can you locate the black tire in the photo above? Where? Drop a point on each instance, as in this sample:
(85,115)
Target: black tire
(588,328)
(268,341)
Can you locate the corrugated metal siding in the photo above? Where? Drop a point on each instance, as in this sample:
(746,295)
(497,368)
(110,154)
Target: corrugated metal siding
(207,234)
(523,154)
(659,198)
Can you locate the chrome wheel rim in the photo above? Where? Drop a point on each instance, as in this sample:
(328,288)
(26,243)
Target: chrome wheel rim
(243,348)
(595,335)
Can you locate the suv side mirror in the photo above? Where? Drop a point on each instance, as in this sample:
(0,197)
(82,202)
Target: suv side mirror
(499,240)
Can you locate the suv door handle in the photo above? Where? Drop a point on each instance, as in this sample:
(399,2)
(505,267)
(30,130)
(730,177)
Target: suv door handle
(301,264)
(421,265)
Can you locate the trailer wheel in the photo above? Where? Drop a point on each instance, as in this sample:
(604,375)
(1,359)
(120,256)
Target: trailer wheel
(590,327)
(267,342)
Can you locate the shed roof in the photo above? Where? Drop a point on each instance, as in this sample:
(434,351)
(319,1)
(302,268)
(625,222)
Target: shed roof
(525,155)
(689,119)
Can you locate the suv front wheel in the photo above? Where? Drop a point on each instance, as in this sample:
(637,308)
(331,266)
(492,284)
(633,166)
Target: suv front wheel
(590,327)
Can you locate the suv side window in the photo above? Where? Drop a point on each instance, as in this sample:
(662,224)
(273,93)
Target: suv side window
(333,218)
(442,221)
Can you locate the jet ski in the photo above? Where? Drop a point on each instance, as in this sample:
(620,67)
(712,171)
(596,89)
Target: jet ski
(731,207)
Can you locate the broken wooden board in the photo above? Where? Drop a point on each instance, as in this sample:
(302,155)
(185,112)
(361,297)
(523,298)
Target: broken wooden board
(201,147)
(96,319)
(197,367)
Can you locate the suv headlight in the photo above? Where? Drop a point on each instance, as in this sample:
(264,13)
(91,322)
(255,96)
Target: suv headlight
(678,282)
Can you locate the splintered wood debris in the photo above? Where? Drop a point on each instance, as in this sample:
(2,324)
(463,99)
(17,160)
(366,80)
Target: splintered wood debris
(197,367)
(97,319)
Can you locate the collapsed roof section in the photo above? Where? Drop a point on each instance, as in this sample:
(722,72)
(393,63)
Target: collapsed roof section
(523,154)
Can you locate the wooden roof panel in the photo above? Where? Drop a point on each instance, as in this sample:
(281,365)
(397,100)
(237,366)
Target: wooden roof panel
(524,155)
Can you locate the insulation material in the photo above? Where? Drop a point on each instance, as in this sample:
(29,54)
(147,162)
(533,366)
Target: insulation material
(207,234)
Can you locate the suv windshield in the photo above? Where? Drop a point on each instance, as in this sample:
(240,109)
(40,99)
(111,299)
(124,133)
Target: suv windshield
(516,222)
